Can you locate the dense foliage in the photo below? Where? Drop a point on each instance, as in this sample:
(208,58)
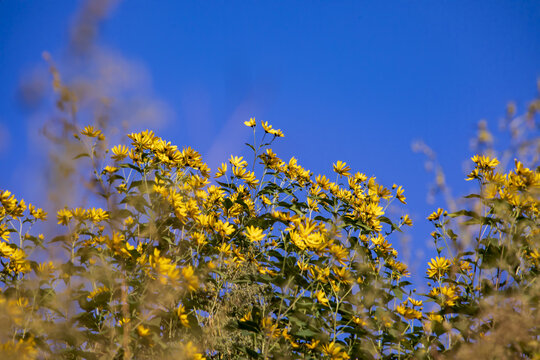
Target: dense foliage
(263,259)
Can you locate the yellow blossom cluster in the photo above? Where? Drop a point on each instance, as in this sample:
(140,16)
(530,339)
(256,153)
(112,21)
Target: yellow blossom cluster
(11,206)
(410,312)
(289,263)
(95,215)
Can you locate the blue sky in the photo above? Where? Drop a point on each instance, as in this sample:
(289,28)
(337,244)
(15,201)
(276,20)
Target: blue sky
(355,81)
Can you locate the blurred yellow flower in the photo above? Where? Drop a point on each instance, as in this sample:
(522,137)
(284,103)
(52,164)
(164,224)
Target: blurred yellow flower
(63,216)
(90,131)
(143,331)
(181,312)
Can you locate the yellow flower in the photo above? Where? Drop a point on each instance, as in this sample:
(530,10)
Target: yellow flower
(406,220)
(340,253)
(382,243)
(399,195)
(181,312)
(269,327)
(97,215)
(79,213)
(449,294)
(166,269)
(128,221)
(91,132)
(490,191)
(63,216)
(10,205)
(343,275)
(302,265)
(465,266)
(238,162)
(438,267)
(224,228)
(359,321)
(119,152)
(239,172)
(315,241)
(437,214)
(191,352)
(17,257)
(408,313)
(8,201)
(267,128)
(399,267)
(335,351)
(321,296)
(142,330)
(189,277)
(322,181)
(313,344)
(97,291)
(144,139)
(276,132)
(254,233)
(475,174)
(246,317)
(484,162)
(286,336)
(4,232)
(110,169)
(121,188)
(435,317)
(225,249)
(221,170)
(199,238)
(45,269)
(20,349)
(341,168)
(415,302)
(38,213)
(250,123)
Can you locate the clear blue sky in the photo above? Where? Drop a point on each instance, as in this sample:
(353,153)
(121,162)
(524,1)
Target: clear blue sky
(355,81)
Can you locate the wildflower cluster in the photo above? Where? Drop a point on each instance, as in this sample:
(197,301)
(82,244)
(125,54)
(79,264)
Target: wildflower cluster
(180,257)
(495,277)
(261,258)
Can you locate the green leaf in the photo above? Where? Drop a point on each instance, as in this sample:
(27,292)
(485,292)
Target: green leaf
(59,238)
(473,196)
(81,155)
(306,333)
(134,167)
(464,213)
(249,326)
(398,293)
(251,146)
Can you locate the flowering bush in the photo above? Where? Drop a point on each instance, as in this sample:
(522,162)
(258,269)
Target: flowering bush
(263,259)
